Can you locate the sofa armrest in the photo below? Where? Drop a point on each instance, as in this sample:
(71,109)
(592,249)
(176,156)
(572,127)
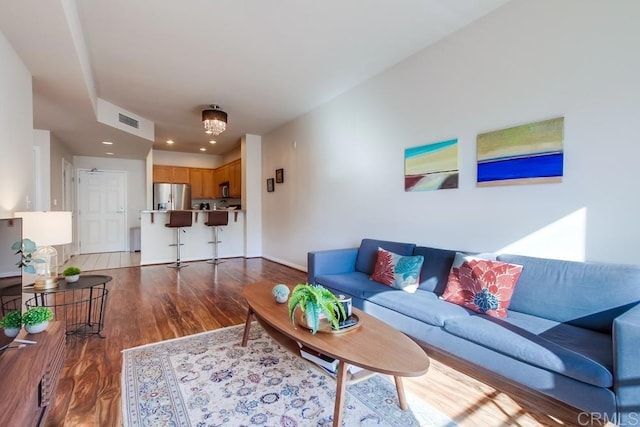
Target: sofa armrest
(334,261)
(626,363)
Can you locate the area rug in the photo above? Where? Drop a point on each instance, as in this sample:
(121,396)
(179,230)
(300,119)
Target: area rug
(208,379)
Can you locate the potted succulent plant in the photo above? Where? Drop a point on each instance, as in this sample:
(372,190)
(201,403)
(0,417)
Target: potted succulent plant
(313,300)
(281,292)
(36,319)
(71,274)
(11,322)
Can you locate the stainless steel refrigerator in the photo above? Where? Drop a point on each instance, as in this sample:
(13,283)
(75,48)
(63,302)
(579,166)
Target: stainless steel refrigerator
(168,196)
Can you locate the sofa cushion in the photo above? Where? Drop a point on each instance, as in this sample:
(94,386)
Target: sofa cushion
(435,268)
(397,271)
(580,357)
(368,252)
(355,284)
(481,285)
(589,295)
(422,305)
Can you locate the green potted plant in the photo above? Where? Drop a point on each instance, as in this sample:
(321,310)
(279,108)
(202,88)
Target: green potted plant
(314,300)
(71,274)
(11,322)
(36,319)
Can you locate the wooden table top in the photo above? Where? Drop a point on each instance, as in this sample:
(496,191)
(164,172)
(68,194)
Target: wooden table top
(85,281)
(374,345)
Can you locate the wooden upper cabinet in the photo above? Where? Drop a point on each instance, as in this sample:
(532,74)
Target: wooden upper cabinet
(197,190)
(162,173)
(208,190)
(202,183)
(205,183)
(235,179)
(181,175)
(173,174)
(223,174)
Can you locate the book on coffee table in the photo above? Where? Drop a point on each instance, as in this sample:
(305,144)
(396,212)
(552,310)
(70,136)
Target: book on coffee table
(327,362)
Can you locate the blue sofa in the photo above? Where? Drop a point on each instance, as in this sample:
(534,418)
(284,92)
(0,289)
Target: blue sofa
(572,331)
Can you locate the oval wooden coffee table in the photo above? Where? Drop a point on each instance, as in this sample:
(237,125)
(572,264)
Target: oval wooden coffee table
(374,346)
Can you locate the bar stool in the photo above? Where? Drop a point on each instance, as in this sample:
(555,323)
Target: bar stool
(216,219)
(179,220)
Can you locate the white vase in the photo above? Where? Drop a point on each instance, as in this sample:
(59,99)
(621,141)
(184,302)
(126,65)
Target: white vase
(37,328)
(282,298)
(11,332)
(71,279)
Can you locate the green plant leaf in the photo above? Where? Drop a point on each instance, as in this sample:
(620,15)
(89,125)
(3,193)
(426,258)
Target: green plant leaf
(313,316)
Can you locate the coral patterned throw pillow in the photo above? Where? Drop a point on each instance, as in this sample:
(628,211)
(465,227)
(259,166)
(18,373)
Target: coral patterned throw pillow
(398,271)
(482,285)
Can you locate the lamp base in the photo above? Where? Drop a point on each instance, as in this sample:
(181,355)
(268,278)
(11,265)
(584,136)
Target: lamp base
(45,283)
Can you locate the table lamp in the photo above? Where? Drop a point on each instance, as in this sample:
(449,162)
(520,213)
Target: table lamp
(46,229)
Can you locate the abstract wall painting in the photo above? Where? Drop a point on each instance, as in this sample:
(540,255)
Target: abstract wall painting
(431,167)
(527,154)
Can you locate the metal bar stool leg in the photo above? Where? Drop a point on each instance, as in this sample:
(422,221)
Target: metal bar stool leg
(178,263)
(215,260)
(179,220)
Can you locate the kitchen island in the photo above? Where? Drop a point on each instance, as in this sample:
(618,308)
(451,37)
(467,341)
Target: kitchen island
(155,238)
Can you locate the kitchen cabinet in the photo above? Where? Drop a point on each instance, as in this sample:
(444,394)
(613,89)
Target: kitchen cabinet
(205,183)
(222,176)
(172,174)
(208,190)
(235,179)
(195,177)
(202,183)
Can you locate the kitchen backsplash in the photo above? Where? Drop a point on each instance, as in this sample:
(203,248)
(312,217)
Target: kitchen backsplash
(218,203)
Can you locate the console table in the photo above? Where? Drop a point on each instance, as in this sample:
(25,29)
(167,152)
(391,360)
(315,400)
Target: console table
(80,304)
(30,376)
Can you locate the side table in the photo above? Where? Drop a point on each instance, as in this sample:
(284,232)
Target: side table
(81,305)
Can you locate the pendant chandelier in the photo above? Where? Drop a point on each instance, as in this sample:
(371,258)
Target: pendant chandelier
(214,120)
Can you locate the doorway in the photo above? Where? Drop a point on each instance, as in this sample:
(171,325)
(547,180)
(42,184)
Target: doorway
(102,220)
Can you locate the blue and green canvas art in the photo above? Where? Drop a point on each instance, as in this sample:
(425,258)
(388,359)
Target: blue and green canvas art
(431,167)
(527,154)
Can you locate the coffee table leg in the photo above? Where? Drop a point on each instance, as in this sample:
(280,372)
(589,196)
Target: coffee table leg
(402,398)
(247,327)
(340,389)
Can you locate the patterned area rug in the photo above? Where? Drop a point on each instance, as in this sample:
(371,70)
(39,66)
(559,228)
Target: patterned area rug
(208,379)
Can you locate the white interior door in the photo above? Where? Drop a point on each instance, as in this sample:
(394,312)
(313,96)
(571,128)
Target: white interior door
(101,213)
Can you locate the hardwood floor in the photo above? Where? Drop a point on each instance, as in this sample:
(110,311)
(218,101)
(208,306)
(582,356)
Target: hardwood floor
(102,261)
(155,303)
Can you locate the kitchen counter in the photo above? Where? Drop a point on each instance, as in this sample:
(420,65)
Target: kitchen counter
(155,238)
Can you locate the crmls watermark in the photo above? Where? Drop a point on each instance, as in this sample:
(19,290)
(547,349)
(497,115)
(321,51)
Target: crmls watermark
(601,419)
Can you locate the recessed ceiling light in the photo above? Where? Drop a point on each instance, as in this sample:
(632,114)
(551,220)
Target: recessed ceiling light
(203,149)
(212,142)
(169,141)
(109,153)
(107,142)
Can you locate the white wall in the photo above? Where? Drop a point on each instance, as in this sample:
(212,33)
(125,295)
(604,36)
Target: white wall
(136,181)
(42,143)
(525,62)
(16,132)
(192,160)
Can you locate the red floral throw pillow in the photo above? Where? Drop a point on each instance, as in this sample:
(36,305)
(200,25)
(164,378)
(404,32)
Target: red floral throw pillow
(482,285)
(398,271)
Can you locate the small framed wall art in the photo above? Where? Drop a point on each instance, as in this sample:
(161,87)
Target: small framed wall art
(270,185)
(279,176)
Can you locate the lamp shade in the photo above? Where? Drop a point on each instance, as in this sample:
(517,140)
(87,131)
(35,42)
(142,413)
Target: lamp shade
(47,228)
(214,120)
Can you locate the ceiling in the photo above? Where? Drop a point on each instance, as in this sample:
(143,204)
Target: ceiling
(265,62)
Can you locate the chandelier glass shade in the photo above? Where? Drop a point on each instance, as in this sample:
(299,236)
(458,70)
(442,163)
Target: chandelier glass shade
(214,120)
